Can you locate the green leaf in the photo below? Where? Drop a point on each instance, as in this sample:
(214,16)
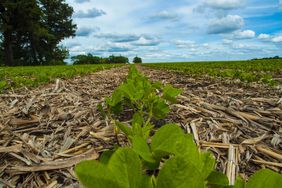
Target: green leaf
(166,139)
(239,183)
(151,166)
(124,128)
(146,182)
(265,179)
(126,166)
(117,97)
(146,130)
(160,109)
(180,173)
(137,118)
(207,164)
(170,93)
(95,174)
(106,156)
(186,146)
(137,123)
(157,85)
(140,146)
(129,90)
(217,180)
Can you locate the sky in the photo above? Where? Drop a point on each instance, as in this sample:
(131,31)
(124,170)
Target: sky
(177,30)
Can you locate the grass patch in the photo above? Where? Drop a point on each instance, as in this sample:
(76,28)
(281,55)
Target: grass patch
(33,76)
(262,71)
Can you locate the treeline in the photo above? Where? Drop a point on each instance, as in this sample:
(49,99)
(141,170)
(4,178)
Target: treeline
(31,30)
(275,57)
(90,59)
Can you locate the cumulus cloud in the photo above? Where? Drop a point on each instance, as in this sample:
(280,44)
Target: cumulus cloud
(270,38)
(135,40)
(246,34)
(225,24)
(86,31)
(147,41)
(224,4)
(106,49)
(119,38)
(91,13)
(178,26)
(264,36)
(164,15)
(277,39)
(82,1)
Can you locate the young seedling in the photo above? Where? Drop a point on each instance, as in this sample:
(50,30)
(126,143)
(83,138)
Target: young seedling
(147,101)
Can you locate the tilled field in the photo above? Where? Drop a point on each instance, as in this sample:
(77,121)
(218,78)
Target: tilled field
(241,124)
(46,131)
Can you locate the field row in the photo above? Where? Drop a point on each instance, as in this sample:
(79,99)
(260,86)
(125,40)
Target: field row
(264,71)
(16,77)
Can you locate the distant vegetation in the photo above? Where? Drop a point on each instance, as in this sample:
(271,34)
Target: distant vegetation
(247,71)
(137,60)
(275,57)
(32,76)
(31,30)
(90,59)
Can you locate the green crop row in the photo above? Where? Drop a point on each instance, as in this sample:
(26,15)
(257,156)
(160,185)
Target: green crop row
(16,77)
(247,71)
(162,158)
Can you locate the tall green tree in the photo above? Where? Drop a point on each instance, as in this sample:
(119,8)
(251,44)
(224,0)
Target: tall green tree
(57,19)
(19,20)
(137,59)
(33,29)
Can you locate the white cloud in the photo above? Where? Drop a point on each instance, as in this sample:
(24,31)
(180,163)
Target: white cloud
(246,34)
(225,24)
(224,4)
(125,27)
(277,39)
(119,38)
(245,46)
(184,43)
(91,13)
(263,36)
(146,41)
(269,38)
(164,15)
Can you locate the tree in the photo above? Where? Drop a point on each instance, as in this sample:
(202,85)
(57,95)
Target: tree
(118,59)
(137,60)
(87,59)
(32,31)
(57,19)
(90,59)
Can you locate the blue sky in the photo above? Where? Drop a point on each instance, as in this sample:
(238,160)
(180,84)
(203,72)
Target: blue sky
(177,30)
